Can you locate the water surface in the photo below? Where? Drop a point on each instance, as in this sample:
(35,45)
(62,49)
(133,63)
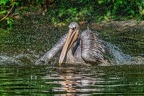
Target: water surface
(71,80)
(31,38)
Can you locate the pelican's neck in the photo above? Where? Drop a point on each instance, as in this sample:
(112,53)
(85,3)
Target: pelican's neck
(74,54)
(70,58)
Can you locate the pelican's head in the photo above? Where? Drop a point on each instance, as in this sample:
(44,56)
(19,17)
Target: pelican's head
(73,33)
(74,25)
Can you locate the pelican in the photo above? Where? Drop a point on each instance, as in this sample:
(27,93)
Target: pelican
(77,47)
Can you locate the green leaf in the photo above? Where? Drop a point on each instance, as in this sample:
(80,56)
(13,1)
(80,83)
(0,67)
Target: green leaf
(120,2)
(3,2)
(142,12)
(100,1)
(108,13)
(2,12)
(106,18)
(10,22)
(132,12)
(14,3)
(100,18)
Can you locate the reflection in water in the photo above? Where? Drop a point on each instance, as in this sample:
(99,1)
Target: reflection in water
(74,84)
(71,81)
(18,76)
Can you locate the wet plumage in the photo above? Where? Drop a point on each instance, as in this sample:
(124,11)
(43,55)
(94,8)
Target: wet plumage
(84,47)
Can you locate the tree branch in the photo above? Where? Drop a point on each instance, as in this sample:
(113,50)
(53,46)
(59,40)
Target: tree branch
(7,13)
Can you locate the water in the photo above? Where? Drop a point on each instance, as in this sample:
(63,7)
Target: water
(117,55)
(72,81)
(20,76)
(20,48)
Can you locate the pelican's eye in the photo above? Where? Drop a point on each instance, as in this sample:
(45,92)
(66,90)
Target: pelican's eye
(73,28)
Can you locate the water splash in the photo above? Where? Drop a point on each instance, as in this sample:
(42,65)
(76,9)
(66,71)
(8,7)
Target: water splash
(8,60)
(118,57)
(20,59)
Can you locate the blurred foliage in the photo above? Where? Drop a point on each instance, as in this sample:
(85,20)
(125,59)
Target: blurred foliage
(6,7)
(76,10)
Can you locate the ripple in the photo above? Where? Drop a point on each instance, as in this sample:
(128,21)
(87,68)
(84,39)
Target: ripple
(44,80)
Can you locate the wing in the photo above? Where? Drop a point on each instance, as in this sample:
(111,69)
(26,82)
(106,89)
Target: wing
(53,51)
(92,48)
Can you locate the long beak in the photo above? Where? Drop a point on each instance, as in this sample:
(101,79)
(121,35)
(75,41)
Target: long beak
(71,38)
